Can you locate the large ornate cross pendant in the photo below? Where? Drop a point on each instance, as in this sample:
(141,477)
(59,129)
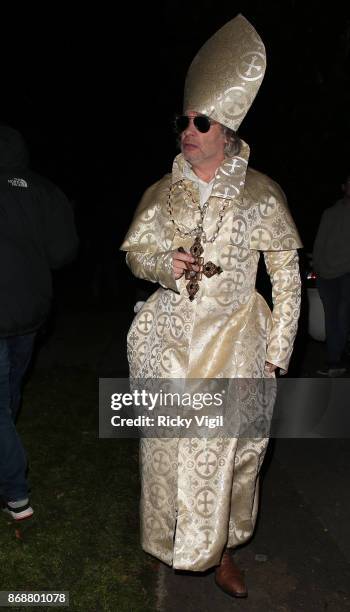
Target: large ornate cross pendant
(208,268)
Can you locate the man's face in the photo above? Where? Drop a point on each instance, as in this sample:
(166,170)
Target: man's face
(203,148)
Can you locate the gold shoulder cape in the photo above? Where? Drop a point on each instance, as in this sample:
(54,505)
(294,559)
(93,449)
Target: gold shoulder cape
(262,216)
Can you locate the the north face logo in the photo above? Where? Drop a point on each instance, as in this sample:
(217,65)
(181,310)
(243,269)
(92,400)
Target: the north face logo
(17,182)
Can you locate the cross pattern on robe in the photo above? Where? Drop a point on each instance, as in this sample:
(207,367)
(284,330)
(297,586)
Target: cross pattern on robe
(261,238)
(229,256)
(232,165)
(158,461)
(145,322)
(237,232)
(162,325)
(207,463)
(252,65)
(157,495)
(238,280)
(208,268)
(207,541)
(177,327)
(205,502)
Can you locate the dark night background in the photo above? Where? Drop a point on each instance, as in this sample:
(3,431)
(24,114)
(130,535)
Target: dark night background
(94,95)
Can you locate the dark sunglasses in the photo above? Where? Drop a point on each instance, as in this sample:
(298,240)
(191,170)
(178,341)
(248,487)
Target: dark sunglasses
(200,122)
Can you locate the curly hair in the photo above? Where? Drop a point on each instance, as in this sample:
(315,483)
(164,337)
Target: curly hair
(233,145)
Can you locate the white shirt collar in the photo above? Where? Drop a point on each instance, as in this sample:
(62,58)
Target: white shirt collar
(205,188)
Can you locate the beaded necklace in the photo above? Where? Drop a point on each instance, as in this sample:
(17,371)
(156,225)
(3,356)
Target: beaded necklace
(197,231)
(196,250)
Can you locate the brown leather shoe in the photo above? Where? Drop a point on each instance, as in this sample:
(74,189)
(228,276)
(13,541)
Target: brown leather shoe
(230,578)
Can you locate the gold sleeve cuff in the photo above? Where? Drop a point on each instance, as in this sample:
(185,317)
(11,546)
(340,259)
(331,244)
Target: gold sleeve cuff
(283,268)
(154,267)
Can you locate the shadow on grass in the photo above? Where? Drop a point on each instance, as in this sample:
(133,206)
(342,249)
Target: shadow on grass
(84,535)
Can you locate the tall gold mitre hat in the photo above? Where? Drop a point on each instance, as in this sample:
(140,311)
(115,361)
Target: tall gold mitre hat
(226,73)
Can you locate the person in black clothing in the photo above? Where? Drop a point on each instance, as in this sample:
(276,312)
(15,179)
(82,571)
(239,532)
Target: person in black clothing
(37,234)
(331,260)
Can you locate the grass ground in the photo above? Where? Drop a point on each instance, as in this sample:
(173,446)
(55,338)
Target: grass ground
(83,537)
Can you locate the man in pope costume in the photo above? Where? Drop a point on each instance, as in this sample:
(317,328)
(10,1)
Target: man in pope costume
(198,233)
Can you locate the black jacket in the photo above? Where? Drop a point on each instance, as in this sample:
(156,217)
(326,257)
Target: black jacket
(37,233)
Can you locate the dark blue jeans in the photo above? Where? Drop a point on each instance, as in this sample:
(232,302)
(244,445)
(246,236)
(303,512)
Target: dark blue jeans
(15,355)
(335,296)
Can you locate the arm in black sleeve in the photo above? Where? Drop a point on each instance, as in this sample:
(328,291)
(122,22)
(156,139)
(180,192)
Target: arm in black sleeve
(61,240)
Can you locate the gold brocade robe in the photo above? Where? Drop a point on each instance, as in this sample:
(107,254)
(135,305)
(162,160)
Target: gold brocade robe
(200,495)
